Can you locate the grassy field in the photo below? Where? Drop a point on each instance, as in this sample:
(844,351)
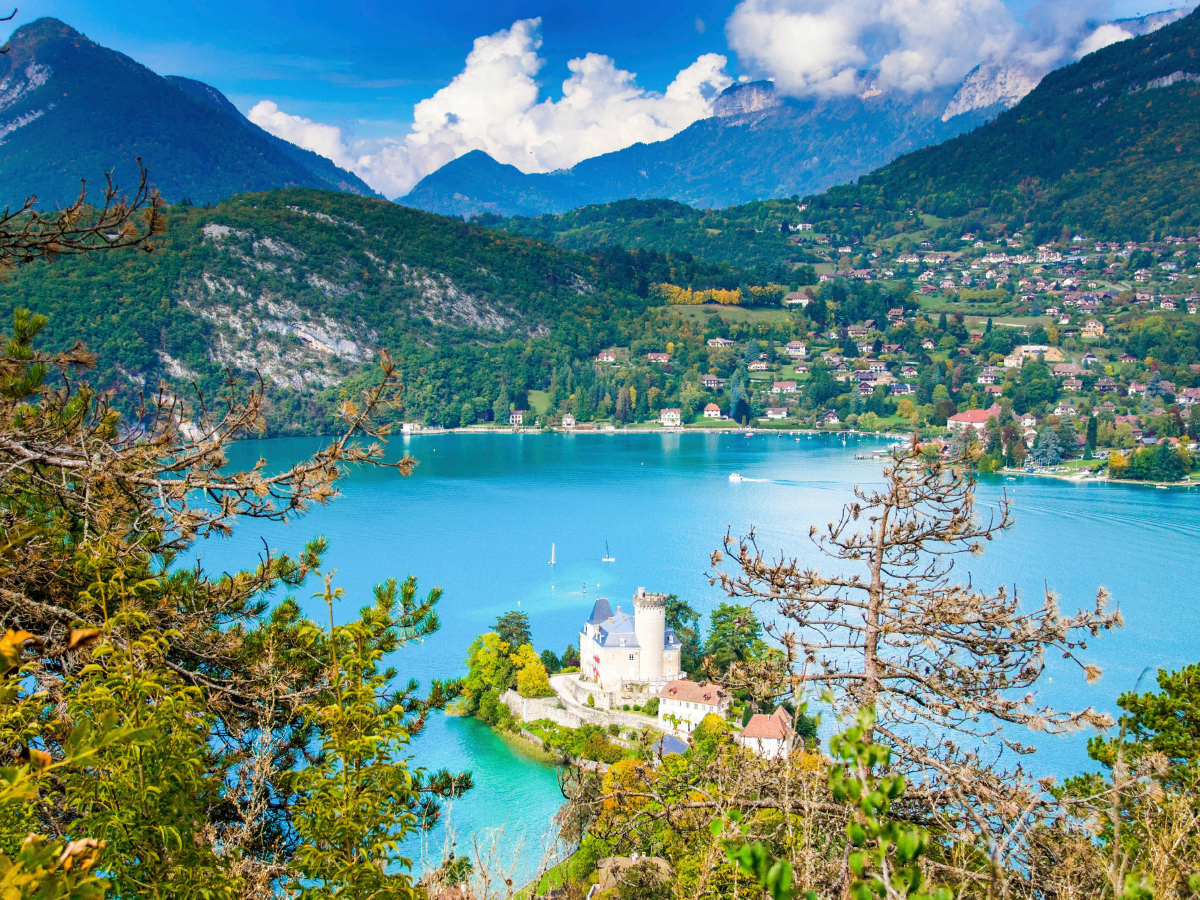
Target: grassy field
(732,313)
(539,402)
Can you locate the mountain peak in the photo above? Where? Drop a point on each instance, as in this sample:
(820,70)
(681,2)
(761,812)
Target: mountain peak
(746,97)
(74,109)
(39,31)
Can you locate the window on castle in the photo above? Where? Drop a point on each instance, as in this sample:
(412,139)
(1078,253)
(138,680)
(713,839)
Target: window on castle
(631,657)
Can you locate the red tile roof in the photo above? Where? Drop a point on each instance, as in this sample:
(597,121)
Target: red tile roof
(690,692)
(980,416)
(776,726)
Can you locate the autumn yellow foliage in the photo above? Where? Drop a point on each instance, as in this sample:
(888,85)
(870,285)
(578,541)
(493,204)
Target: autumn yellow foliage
(673,293)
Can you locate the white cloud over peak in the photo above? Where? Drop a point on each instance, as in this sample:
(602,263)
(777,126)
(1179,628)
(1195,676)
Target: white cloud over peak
(325,140)
(823,47)
(1100,38)
(841,47)
(493,105)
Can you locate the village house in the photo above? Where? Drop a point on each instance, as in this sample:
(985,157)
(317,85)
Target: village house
(516,417)
(796,298)
(670,418)
(607,356)
(720,342)
(796,349)
(769,736)
(661,358)
(712,411)
(710,382)
(615,647)
(1093,329)
(1065,370)
(1072,384)
(901,389)
(776,412)
(988,375)
(759,365)
(784,387)
(973,418)
(831,418)
(1065,409)
(1105,386)
(683,704)
(568,421)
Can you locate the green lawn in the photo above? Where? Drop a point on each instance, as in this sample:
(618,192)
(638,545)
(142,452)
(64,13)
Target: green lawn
(539,402)
(732,313)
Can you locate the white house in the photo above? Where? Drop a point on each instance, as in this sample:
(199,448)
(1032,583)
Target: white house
(568,421)
(973,418)
(796,349)
(771,737)
(776,412)
(516,417)
(688,703)
(670,418)
(712,411)
(784,387)
(615,647)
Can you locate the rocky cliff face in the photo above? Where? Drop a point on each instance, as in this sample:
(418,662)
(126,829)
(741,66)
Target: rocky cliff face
(993,84)
(742,99)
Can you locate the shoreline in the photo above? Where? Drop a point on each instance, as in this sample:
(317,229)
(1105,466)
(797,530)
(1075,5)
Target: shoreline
(605,432)
(1103,479)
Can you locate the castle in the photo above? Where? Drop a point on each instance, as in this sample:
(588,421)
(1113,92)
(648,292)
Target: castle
(617,649)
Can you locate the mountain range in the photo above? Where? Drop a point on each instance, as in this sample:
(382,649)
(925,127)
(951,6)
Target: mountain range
(72,109)
(756,145)
(1109,145)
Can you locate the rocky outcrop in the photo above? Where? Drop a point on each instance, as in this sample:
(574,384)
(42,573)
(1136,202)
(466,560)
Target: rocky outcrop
(1001,85)
(745,98)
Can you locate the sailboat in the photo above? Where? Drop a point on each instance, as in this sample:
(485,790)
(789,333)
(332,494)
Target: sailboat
(608,557)
(551,554)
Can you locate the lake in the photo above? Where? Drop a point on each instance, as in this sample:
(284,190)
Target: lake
(480,513)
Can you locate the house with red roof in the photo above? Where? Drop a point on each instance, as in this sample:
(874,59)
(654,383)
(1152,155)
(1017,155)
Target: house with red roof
(973,418)
(769,736)
(683,704)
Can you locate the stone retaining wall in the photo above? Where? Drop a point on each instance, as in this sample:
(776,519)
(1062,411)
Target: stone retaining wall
(562,711)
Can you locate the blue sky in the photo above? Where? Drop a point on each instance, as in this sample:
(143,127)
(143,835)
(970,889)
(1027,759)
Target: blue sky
(345,79)
(368,63)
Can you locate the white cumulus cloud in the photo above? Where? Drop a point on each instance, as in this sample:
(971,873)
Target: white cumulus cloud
(493,105)
(1100,38)
(829,47)
(323,139)
(841,47)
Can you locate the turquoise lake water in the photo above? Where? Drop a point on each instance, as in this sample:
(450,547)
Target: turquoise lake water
(481,511)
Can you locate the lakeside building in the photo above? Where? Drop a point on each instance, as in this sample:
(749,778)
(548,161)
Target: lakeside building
(616,648)
(683,704)
(769,736)
(973,418)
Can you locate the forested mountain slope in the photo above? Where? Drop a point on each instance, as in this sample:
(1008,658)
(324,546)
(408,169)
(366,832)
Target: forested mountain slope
(1109,146)
(746,151)
(304,287)
(749,235)
(71,109)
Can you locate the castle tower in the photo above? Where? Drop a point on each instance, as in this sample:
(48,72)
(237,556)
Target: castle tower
(650,624)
